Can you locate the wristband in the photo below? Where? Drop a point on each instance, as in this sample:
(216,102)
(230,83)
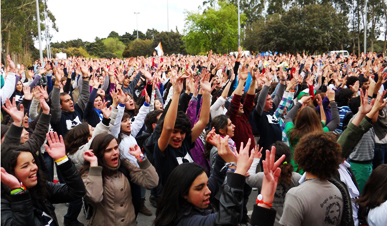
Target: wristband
(231,170)
(16,191)
(142,157)
(58,160)
(260,200)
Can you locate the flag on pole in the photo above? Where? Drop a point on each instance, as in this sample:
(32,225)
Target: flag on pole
(159,49)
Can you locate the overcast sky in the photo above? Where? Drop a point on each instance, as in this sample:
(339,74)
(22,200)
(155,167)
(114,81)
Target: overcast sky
(88,19)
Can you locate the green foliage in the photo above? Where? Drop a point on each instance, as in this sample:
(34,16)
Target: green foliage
(213,29)
(139,48)
(126,38)
(96,48)
(19,27)
(113,34)
(74,51)
(72,43)
(312,28)
(115,46)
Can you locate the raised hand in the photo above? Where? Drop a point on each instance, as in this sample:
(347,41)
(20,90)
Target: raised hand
(272,172)
(224,150)
(258,152)
(11,109)
(365,107)
(147,98)
(244,159)
(27,93)
(9,180)
(43,104)
(212,137)
(136,152)
(106,111)
(56,147)
(90,157)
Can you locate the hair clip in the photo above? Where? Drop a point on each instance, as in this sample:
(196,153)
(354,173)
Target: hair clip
(285,163)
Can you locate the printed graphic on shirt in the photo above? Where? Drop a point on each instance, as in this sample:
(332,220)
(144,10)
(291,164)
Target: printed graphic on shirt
(47,219)
(332,210)
(281,193)
(19,98)
(186,158)
(72,123)
(272,119)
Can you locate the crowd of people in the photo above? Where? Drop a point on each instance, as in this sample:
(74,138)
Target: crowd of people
(200,132)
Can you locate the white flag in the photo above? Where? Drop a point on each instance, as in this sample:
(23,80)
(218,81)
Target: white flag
(159,49)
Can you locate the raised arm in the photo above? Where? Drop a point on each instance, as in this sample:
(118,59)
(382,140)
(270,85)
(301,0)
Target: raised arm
(170,117)
(84,96)
(205,110)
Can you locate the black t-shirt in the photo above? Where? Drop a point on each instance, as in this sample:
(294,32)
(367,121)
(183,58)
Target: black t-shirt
(269,129)
(166,162)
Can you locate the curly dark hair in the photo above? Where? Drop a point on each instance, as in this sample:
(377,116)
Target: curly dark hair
(319,154)
(182,122)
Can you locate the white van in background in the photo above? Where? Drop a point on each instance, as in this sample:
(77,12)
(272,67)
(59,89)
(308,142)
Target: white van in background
(245,53)
(345,53)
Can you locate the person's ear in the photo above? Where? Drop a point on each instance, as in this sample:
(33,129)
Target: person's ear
(154,125)
(222,131)
(185,196)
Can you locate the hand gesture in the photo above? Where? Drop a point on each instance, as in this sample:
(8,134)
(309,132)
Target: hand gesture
(11,109)
(9,180)
(101,92)
(56,147)
(379,104)
(258,152)
(43,104)
(330,94)
(136,152)
(272,173)
(11,64)
(27,93)
(244,159)
(365,107)
(212,137)
(106,111)
(224,150)
(90,157)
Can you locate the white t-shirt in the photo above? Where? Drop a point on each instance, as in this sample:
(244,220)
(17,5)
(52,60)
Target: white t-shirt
(378,215)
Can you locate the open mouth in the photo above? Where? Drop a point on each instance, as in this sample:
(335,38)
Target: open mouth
(115,160)
(207,201)
(33,177)
(176,142)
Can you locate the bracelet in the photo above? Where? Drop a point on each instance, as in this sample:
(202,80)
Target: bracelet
(231,170)
(16,191)
(260,200)
(61,159)
(142,157)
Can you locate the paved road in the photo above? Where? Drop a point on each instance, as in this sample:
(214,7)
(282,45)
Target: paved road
(142,220)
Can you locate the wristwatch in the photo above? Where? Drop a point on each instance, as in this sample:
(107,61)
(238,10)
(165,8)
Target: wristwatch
(260,200)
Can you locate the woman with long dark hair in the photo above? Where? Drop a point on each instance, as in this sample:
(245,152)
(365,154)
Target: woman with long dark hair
(373,201)
(27,197)
(110,181)
(188,191)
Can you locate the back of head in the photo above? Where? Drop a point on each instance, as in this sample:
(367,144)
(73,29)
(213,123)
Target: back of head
(286,167)
(354,104)
(351,80)
(77,137)
(306,121)
(151,118)
(319,154)
(172,198)
(219,122)
(342,97)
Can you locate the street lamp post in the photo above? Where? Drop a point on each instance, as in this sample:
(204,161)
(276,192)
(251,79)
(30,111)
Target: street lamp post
(40,39)
(239,26)
(137,21)
(365,27)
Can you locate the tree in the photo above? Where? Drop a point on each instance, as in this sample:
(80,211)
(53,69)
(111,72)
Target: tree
(140,34)
(213,29)
(312,28)
(19,28)
(151,33)
(113,34)
(139,48)
(74,51)
(96,48)
(115,46)
(126,38)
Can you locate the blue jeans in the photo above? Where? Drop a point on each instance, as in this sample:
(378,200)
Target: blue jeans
(379,155)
